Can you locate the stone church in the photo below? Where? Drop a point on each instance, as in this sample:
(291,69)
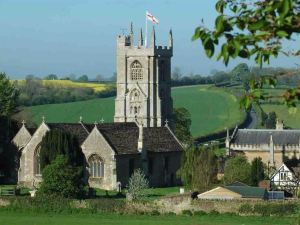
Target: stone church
(140,136)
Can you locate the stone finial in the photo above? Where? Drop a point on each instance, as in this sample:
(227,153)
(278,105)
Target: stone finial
(43,119)
(279,124)
(80,119)
(131,35)
(141,39)
(170,43)
(23,122)
(153,38)
(166,123)
(102,120)
(141,135)
(95,123)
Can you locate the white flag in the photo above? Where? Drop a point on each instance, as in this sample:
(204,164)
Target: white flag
(152,18)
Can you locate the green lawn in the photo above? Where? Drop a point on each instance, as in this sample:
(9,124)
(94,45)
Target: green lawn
(11,218)
(212,109)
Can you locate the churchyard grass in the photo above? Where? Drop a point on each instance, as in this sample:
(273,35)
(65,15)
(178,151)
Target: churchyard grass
(212,109)
(14,218)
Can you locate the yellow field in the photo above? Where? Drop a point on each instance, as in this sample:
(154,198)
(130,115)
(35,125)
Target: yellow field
(68,83)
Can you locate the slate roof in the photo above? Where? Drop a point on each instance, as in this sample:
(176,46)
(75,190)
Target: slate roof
(262,136)
(248,191)
(123,137)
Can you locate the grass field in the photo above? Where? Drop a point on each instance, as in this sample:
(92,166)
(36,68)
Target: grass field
(98,87)
(11,218)
(211,109)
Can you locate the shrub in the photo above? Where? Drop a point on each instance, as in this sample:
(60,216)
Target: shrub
(187,212)
(246,209)
(137,185)
(155,213)
(62,179)
(107,205)
(200,213)
(214,212)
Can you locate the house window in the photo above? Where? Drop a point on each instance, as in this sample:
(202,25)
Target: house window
(96,167)
(283,175)
(37,162)
(136,71)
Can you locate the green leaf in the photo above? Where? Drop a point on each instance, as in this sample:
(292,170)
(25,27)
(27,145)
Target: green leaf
(196,34)
(219,24)
(258,25)
(209,47)
(282,33)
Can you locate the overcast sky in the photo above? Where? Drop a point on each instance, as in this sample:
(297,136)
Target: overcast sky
(79,37)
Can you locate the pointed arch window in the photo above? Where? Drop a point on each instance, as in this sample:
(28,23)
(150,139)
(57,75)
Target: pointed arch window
(37,162)
(96,166)
(136,71)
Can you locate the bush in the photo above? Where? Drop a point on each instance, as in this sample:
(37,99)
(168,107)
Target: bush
(106,205)
(187,212)
(200,213)
(246,209)
(62,179)
(137,185)
(214,212)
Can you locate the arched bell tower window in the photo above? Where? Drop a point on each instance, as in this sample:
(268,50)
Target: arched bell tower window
(96,166)
(37,162)
(136,71)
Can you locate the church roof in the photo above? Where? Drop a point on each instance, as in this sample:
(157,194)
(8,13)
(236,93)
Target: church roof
(123,137)
(262,136)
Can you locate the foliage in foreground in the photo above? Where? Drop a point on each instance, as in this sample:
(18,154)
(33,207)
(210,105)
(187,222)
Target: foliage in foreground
(182,120)
(62,178)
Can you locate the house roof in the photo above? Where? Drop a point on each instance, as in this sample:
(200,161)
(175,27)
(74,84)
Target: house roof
(237,183)
(248,191)
(262,136)
(123,137)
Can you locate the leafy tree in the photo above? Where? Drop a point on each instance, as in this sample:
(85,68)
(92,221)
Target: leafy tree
(8,96)
(83,78)
(51,77)
(237,169)
(99,78)
(257,171)
(176,74)
(270,122)
(138,184)
(182,120)
(254,29)
(63,179)
(199,168)
(57,142)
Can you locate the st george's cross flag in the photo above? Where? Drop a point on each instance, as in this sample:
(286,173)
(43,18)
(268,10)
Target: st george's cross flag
(152,18)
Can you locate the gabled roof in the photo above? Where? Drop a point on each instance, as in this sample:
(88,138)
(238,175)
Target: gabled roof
(237,183)
(123,137)
(248,191)
(262,136)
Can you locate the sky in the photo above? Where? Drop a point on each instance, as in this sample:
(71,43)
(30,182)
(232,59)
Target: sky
(78,37)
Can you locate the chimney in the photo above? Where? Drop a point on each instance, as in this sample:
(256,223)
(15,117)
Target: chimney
(140,140)
(279,124)
(271,156)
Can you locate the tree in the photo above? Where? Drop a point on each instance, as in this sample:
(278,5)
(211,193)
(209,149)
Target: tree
(63,179)
(137,185)
(254,29)
(237,169)
(182,119)
(199,168)
(8,96)
(83,78)
(270,122)
(257,171)
(206,169)
(51,77)
(99,78)
(57,142)
(176,74)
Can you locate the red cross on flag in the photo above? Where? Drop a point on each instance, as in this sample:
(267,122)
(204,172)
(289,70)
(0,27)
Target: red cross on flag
(152,18)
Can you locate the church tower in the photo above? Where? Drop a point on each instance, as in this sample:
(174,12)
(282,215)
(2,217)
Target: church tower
(143,80)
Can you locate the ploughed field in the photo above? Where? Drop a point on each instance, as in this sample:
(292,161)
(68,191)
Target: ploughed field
(212,109)
(13,218)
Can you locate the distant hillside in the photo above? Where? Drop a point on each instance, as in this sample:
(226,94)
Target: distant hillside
(212,109)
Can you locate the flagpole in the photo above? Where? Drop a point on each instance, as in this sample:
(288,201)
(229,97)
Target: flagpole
(146,31)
